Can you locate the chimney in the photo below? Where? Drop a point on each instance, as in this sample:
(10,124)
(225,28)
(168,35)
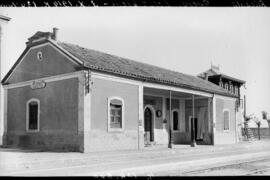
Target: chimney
(206,76)
(55,34)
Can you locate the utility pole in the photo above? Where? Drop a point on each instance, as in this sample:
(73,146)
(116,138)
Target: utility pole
(245,107)
(170,121)
(193,142)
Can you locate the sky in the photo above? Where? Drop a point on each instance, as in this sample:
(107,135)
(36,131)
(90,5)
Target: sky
(184,39)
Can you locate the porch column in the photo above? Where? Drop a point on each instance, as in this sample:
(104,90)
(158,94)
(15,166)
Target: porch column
(170,121)
(193,142)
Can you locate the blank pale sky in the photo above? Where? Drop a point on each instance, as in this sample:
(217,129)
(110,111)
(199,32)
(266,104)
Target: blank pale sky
(185,39)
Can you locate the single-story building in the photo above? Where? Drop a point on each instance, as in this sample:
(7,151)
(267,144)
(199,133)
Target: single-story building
(60,96)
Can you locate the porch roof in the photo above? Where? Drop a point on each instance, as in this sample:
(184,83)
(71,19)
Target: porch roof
(112,64)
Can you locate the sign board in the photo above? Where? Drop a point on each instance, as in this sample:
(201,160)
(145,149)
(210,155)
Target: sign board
(38,84)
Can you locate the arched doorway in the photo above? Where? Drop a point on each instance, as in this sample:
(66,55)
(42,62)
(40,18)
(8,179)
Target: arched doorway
(148,125)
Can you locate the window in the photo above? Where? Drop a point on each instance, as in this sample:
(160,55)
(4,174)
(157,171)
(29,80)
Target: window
(241,103)
(226,86)
(226,117)
(39,56)
(32,115)
(231,88)
(221,84)
(115,114)
(236,90)
(175,117)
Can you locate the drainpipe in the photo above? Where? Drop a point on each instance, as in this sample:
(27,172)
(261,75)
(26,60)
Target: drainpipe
(245,107)
(193,142)
(213,118)
(170,120)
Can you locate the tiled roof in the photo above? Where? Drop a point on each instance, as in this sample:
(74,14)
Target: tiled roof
(141,71)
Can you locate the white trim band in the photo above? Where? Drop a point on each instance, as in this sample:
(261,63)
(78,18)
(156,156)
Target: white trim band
(46,79)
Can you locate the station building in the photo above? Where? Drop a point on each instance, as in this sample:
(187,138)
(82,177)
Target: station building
(60,96)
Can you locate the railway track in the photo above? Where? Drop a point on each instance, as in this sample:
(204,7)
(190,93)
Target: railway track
(259,171)
(251,167)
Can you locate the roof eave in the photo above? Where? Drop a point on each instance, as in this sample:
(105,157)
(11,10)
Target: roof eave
(145,79)
(229,77)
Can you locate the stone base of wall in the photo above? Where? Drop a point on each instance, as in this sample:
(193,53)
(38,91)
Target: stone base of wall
(184,138)
(207,139)
(98,140)
(225,138)
(55,142)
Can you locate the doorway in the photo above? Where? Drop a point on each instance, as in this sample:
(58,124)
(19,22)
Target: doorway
(196,127)
(148,125)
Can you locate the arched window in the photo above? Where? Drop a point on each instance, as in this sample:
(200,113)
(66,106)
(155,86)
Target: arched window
(226,118)
(39,56)
(175,117)
(115,114)
(32,115)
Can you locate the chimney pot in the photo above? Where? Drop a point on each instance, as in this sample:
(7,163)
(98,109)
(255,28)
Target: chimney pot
(55,34)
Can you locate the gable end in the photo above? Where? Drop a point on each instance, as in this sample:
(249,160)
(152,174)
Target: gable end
(28,53)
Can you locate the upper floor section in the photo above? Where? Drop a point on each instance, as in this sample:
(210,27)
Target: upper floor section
(229,83)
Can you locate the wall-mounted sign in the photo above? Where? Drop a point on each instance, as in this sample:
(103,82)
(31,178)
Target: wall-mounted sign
(38,84)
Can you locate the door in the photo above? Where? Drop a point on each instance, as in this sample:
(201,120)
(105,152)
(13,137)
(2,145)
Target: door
(148,125)
(196,127)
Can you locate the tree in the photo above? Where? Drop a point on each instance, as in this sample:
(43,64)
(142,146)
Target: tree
(258,122)
(267,118)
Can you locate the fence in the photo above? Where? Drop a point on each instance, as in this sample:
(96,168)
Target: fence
(264,132)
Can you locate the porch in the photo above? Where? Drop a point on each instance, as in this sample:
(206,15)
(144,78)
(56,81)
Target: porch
(168,118)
